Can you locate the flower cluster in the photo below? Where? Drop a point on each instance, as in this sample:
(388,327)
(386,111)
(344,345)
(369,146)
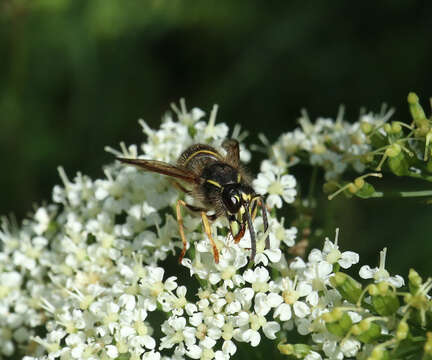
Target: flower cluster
(86,277)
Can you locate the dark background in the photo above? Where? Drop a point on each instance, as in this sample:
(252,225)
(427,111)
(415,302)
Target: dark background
(76,75)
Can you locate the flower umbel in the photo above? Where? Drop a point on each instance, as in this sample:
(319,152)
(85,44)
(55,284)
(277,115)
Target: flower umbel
(91,276)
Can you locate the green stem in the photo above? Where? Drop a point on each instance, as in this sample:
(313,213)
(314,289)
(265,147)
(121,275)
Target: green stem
(312,183)
(403,194)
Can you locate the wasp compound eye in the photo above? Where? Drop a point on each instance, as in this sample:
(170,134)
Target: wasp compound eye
(231,199)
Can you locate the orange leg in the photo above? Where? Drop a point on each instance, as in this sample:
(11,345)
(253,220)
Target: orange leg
(181,228)
(206,225)
(179,186)
(207,229)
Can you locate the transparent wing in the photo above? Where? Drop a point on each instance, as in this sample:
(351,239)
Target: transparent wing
(233,151)
(163,168)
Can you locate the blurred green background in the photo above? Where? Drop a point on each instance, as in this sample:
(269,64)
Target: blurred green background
(76,75)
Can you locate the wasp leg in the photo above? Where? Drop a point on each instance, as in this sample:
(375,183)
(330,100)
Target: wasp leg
(181,228)
(179,186)
(206,224)
(193,208)
(207,229)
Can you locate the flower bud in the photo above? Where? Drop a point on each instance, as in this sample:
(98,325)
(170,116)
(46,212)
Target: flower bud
(352,188)
(398,163)
(387,128)
(337,322)
(299,351)
(416,109)
(359,182)
(384,300)
(367,331)
(367,158)
(366,127)
(330,187)
(428,345)
(396,128)
(349,288)
(402,330)
(393,150)
(414,281)
(378,353)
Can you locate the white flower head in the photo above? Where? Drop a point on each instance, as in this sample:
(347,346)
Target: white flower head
(380,274)
(277,187)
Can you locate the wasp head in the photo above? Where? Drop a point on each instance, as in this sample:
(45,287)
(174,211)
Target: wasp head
(240,202)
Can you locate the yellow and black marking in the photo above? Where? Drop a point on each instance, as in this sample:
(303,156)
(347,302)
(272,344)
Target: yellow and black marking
(214,183)
(200,153)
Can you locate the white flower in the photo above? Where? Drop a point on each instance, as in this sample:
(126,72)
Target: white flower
(332,254)
(292,291)
(380,274)
(177,334)
(276,186)
(250,324)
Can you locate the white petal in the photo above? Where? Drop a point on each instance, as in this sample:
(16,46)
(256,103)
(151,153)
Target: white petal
(324,269)
(149,342)
(191,308)
(128,301)
(112,351)
(303,326)
(262,274)
(261,307)
(229,347)
(252,336)
(274,255)
(303,288)
(157,274)
(397,281)
(313,298)
(208,342)
(233,307)
(283,311)
(249,276)
(196,319)
(313,356)
(366,272)
(355,317)
(194,351)
(301,309)
(246,294)
(126,331)
(348,259)
(315,256)
(298,264)
(181,291)
(328,246)
(274,300)
(274,201)
(178,323)
(242,318)
(270,329)
(214,278)
(350,347)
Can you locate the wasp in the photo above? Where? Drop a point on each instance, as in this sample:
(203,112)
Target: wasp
(219,184)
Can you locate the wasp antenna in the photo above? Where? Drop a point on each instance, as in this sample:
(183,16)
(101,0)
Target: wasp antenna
(252,233)
(126,160)
(265,221)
